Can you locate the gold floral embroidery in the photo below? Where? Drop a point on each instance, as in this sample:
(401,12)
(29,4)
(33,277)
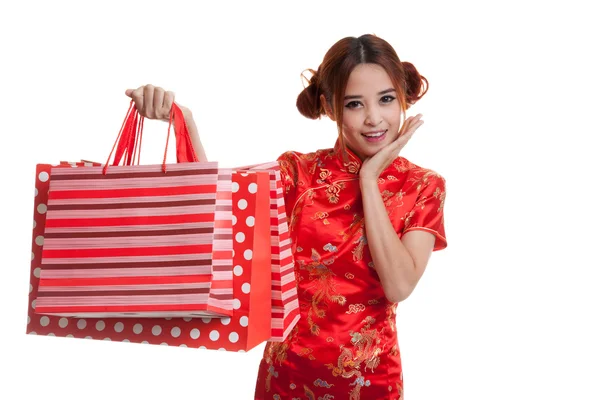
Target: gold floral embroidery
(407,218)
(311,158)
(386,194)
(373,302)
(324,285)
(277,352)
(400,165)
(324,176)
(310,197)
(357,252)
(391,315)
(357,222)
(366,350)
(349,275)
(423,179)
(320,215)
(306,352)
(333,191)
(421,202)
(353,167)
(355,308)
(441,195)
(393,198)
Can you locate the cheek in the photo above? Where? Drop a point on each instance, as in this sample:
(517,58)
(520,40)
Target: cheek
(393,120)
(351,124)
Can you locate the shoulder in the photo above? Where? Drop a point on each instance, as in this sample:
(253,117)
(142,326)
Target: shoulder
(418,175)
(296,159)
(298,156)
(297,168)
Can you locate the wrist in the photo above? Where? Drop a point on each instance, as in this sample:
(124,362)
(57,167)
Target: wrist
(367,182)
(187,113)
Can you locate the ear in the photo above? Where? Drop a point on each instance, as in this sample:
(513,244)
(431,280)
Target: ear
(327,108)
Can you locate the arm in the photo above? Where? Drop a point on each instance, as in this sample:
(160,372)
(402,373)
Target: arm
(399,263)
(194,136)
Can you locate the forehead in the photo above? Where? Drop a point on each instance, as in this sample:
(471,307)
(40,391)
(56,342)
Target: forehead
(368,78)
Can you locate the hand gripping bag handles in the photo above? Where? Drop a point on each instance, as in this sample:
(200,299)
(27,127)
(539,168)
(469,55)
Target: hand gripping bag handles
(137,240)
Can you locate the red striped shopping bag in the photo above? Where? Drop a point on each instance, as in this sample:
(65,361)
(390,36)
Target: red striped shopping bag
(137,240)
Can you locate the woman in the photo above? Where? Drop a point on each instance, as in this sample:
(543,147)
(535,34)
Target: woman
(363,222)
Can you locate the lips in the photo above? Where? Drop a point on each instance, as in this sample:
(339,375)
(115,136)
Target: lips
(375,136)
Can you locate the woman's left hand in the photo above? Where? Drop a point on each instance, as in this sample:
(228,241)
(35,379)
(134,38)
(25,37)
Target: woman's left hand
(373,167)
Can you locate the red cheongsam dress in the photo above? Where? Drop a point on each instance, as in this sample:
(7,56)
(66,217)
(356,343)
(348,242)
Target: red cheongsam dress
(345,345)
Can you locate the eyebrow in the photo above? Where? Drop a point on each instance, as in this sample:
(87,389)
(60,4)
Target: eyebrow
(380,93)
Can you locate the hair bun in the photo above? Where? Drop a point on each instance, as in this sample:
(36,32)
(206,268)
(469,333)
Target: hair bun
(308,101)
(416,84)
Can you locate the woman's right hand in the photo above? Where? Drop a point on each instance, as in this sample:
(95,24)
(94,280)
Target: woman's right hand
(152,102)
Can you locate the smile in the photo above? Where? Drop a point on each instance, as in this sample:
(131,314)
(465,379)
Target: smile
(374,136)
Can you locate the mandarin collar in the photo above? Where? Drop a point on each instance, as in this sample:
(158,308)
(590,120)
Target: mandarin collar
(346,159)
(349,163)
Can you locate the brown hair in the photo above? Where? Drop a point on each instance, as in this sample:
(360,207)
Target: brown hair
(340,60)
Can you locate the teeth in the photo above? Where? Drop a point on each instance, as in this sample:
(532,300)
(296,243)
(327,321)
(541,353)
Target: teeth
(375,135)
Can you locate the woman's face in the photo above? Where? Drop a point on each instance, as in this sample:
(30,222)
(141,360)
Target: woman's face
(371,118)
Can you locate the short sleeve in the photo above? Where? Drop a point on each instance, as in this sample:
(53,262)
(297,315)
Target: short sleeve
(428,211)
(288,165)
(290,169)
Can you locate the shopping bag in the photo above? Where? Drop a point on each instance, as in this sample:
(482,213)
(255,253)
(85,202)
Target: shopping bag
(250,322)
(285,309)
(134,240)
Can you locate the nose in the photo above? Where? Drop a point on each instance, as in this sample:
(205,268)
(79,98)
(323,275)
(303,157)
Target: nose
(373,117)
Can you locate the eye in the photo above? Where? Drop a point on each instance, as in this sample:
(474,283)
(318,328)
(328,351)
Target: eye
(388,99)
(353,104)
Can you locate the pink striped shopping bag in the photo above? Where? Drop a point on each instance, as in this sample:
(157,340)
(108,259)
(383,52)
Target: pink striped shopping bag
(285,309)
(137,240)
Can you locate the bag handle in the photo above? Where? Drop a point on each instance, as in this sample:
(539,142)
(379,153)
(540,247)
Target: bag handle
(129,139)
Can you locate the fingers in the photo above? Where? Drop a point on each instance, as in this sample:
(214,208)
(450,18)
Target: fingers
(148,110)
(159,95)
(169,100)
(151,101)
(137,96)
(411,124)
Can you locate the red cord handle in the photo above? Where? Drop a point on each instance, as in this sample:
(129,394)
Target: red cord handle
(129,139)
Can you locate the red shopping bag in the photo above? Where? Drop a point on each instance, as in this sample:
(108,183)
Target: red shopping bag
(250,322)
(285,310)
(134,240)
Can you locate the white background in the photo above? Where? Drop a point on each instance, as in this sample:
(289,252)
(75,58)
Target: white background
(508,310)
